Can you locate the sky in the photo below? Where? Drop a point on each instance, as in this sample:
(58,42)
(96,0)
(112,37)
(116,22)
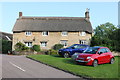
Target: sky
(100,12)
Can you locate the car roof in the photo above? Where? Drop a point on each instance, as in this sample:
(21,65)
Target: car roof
(81,44)
(99,47)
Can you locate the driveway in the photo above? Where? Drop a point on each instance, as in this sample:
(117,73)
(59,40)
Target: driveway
(22,67)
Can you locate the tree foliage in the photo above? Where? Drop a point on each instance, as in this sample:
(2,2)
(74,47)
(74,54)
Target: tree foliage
(21,47)
(6,46)
(106,35)
(57,46)
(36,48)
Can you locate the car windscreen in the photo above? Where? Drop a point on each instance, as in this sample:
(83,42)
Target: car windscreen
(91,50)
(77,46)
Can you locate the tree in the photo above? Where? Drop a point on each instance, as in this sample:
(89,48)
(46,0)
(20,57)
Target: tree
(104,30)
(106,35)
(6,46)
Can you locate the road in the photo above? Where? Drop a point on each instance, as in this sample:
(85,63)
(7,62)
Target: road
(22,67)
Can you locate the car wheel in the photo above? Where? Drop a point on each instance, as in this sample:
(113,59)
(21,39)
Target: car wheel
(95,63)
(66,55)
(111,60)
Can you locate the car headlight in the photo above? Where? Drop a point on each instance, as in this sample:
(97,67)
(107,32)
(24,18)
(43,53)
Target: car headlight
(59,51)
(88,57)
(76,53)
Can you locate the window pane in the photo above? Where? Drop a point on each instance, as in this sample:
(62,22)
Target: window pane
(64,33)
(45,33)
(82,41)
(28,44)
(64,42)
(28,33)
(83,33)
(43,44)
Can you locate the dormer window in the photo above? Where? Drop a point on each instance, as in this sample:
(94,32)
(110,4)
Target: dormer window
(45,33)
(64,33)
(28,33)
(83,34)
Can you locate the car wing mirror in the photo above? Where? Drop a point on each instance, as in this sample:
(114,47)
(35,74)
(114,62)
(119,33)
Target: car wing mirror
(73,48)
(100,53)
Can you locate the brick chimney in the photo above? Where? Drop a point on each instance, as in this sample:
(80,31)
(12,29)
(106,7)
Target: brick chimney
(20,14)
(87,17)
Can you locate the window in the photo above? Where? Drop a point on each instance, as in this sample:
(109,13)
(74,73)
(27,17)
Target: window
(45,33)
(28,44)
(82,41)
(64,42)
(103,50)
(83,33)
(91,50)
(64,33)
(76,46)
(28,33)
(107,50)
(43,44)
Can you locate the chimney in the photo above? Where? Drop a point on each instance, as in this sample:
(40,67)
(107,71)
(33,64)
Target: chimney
(87,17)
(20,14)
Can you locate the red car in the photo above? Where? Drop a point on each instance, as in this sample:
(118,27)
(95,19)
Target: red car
(95,55)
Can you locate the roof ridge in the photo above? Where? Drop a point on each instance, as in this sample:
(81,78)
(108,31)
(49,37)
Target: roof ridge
(51,18)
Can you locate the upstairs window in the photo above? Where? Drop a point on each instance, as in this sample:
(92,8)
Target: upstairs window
(64,33)
(28,44)
(83,34)
(45,33)
(28,33)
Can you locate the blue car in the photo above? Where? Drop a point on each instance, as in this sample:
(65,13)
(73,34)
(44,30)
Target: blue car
(69,51)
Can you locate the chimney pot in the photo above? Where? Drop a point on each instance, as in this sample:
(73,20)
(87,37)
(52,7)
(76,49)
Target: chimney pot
(20,14)
(87,17)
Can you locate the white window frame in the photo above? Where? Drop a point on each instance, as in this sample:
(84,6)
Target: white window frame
(41,44)
(64,33)
(64,44)
(82,41)
(28,44)
(28,33)
(43,33)
(83,33)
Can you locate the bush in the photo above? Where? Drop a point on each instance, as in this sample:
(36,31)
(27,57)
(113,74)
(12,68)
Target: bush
(57,46)
(52,52)
(36,48)
(6,46)
(21,47)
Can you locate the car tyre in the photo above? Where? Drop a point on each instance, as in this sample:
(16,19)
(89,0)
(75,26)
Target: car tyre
(112,60)
(66,55)
(95,63)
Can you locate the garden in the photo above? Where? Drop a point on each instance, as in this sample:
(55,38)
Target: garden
(68,65)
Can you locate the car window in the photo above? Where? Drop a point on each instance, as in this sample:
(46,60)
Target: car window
(91,50)
(107,50)
(79,46)
(103,50)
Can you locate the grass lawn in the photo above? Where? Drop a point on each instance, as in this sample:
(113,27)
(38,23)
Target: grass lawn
(101,71)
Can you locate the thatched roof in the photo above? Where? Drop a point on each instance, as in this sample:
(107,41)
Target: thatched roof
(52,24)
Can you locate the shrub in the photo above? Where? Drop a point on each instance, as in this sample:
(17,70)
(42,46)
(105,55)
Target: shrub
(52,52)
(21,47)
(36,48)
(57,46)
(6,46)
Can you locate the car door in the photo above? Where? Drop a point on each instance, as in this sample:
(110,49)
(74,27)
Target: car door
(102,56)
(107,54)
(77,48)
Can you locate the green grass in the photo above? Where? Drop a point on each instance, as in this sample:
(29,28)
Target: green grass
(101,71)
